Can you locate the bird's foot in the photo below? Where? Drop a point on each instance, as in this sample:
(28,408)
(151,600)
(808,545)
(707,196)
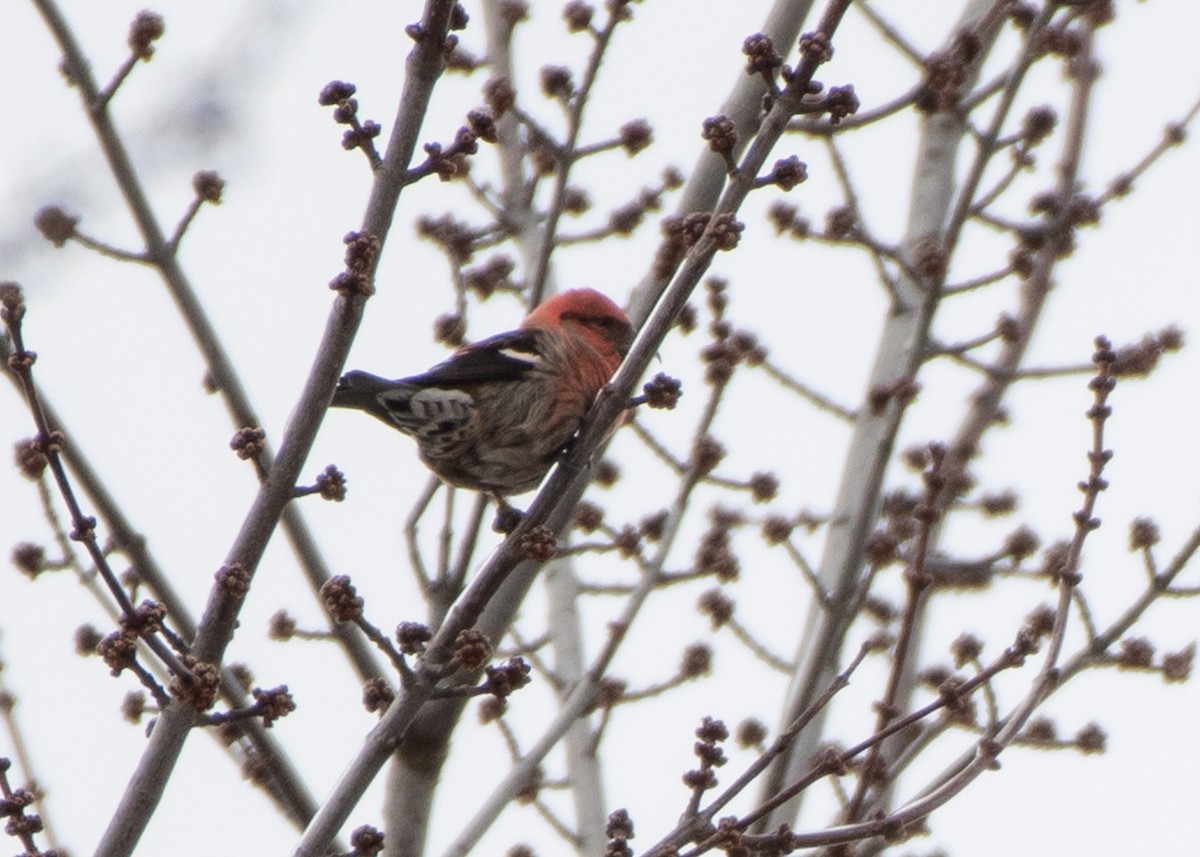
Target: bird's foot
(508,517)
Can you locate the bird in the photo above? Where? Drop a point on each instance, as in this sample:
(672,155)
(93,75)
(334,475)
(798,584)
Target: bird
(497,414)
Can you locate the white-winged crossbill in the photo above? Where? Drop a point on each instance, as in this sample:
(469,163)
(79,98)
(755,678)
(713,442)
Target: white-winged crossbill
(497,414)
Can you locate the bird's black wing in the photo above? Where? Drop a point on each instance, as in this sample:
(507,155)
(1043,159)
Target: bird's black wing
(503,357)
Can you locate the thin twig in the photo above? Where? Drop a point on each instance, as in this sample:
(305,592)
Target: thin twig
(568,156)
(821,401)
(861,233)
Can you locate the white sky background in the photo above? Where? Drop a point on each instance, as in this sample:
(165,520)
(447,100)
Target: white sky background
(120,367)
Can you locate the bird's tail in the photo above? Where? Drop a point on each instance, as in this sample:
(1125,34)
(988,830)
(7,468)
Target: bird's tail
(361,390)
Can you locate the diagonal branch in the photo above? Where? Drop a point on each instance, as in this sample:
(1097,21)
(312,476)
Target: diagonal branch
(557,497)
(425,63)
(160,252)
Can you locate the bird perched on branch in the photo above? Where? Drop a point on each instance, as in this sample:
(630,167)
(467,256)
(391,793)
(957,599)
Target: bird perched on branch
(496,415)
